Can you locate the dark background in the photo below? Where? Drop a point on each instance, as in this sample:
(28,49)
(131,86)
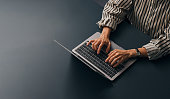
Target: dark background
(32,66)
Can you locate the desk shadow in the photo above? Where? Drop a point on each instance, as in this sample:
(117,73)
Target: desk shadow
(84,82)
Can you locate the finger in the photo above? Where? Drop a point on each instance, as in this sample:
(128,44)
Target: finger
(108,58)
(96,45)
(90,42)
(108,47)
(121,60)
(110,52)
(93,45)
(100,47)
(114,51)
(113,57)
(115,60)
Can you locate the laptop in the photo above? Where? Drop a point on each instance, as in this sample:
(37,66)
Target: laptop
(97,62)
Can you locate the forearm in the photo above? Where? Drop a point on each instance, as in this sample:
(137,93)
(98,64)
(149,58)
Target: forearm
(106,32)
(143,52)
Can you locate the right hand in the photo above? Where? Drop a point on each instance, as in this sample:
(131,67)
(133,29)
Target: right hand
(98,43)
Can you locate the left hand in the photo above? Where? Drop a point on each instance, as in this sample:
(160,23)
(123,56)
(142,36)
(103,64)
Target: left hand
(117,56)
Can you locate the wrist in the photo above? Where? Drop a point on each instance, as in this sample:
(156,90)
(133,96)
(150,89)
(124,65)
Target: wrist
(143,52)
(140,53)
(103,35)
(133,52)
(106,32)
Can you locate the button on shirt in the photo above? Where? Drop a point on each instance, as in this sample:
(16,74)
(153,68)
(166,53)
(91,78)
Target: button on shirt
(150,16)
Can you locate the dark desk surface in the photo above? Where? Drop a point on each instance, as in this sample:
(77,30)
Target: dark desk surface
(33,67)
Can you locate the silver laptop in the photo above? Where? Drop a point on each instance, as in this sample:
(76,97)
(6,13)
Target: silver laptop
(97,62)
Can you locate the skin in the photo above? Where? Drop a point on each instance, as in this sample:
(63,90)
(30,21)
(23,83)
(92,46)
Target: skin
(116,56)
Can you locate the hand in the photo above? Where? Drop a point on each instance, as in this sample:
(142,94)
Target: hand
(98,43)
(117,56)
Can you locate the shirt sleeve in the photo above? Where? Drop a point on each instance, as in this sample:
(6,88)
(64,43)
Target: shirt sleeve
(159,47)
(114,12)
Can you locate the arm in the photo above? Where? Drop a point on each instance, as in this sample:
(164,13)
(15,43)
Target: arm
(106,32)
(113,13)
(143,52)
(155,49)
(159,47)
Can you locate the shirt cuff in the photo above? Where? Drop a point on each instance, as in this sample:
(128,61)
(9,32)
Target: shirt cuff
(152,51)
(108,23)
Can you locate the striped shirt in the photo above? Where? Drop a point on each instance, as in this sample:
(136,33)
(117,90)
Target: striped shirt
(150,16)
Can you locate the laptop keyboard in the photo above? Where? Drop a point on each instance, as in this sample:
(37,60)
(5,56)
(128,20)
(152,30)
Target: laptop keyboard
(98,59)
